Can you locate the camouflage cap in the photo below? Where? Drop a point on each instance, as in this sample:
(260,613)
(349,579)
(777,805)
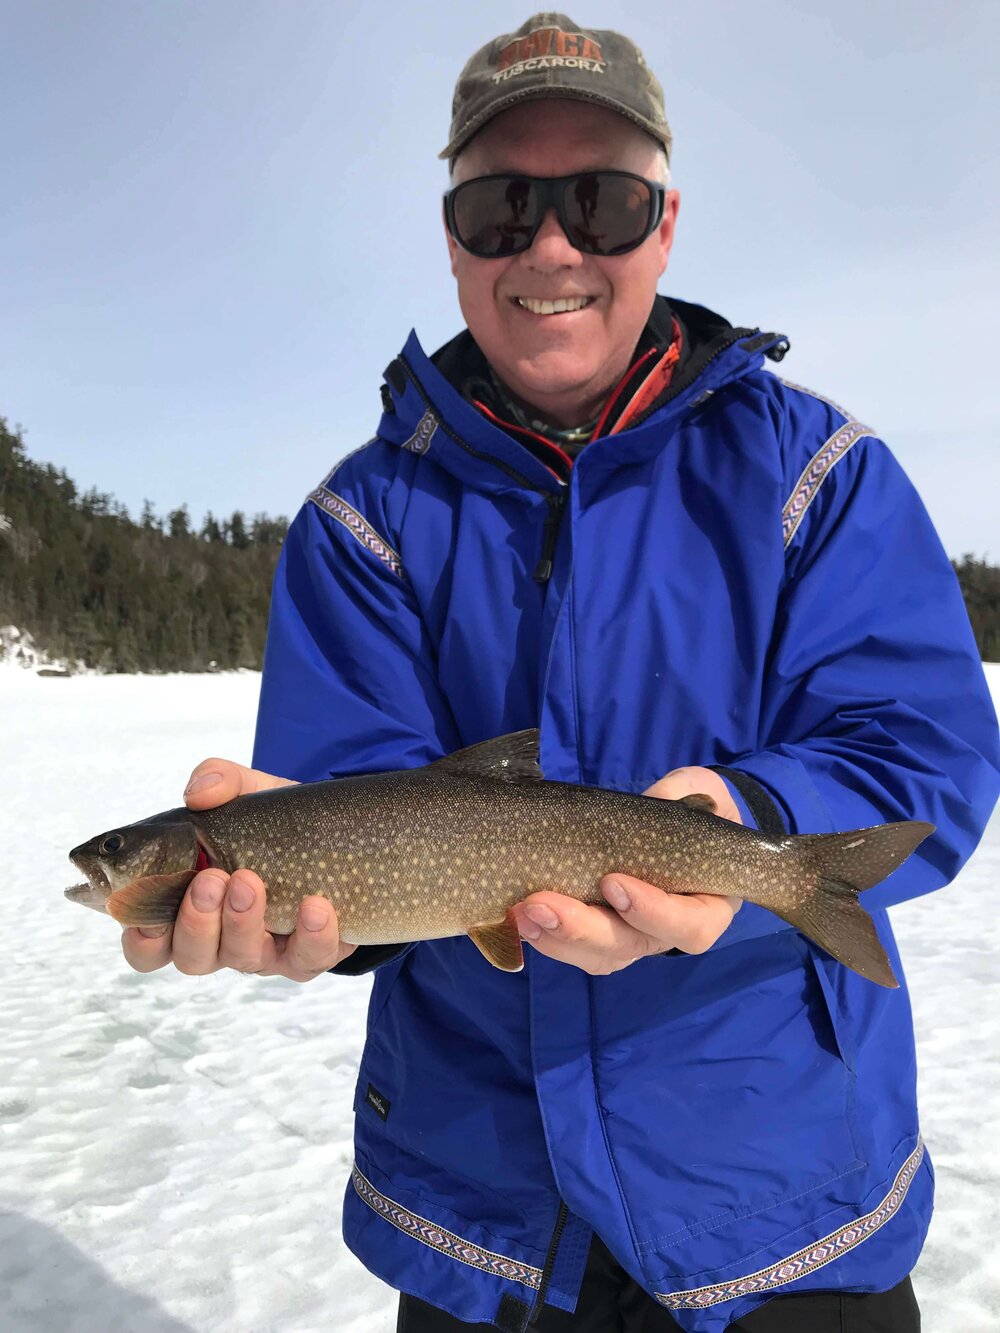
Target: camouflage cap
(549,56)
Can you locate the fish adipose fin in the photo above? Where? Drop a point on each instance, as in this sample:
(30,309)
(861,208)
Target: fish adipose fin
(153,900)
(512,758)
(500,943)
(841,865)
(699,801)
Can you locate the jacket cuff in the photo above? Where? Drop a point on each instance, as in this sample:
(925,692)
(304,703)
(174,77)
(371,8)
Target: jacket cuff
(367,957)
(746,814)
(757,807)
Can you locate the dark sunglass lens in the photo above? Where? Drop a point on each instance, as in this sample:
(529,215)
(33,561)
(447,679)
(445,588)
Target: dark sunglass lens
(605,213)
(495,217)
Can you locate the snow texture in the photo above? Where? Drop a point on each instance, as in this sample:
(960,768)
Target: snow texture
(174,1149)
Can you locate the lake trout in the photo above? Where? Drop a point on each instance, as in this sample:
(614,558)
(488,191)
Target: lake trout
(449,848)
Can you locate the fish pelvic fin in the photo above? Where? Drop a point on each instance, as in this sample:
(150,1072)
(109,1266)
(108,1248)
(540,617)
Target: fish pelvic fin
(835,868)
(152,900)
(511,758)
(500,943)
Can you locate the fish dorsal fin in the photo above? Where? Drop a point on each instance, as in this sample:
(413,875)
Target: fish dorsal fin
(511,758)
(499,942)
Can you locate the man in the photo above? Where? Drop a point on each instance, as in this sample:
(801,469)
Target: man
(596,511)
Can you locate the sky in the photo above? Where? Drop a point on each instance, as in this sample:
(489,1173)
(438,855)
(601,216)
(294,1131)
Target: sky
(221,219)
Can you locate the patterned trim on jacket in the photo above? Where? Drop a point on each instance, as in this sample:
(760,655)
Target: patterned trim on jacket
(438,1238)
(337,507)
(810,1258)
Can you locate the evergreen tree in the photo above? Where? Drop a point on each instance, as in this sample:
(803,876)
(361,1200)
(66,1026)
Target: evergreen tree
(178,522)
(237,529)
(210,530)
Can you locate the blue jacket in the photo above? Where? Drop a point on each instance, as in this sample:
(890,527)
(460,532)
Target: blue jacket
(747,579)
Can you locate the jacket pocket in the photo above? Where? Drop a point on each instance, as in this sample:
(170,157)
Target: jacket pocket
(738,1096)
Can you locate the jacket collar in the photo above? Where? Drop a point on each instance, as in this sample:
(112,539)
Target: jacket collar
(428,410)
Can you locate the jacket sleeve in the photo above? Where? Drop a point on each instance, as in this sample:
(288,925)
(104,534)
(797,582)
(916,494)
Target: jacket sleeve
(876,706)
(350,679)
(350,682)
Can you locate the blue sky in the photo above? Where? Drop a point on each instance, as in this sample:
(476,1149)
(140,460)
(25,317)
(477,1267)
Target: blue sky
(222,217)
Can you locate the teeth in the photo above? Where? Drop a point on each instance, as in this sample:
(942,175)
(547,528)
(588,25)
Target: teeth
(559,307)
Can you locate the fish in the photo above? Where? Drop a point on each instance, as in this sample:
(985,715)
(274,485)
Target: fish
(449,848)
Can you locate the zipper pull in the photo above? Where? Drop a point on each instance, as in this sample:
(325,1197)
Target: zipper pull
(550,536)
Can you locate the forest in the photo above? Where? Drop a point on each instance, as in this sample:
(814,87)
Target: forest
(96,587)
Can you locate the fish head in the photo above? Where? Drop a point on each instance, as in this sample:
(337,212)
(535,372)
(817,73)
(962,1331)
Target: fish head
(164,845)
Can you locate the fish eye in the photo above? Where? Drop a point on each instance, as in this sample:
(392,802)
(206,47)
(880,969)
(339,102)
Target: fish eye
(114,842)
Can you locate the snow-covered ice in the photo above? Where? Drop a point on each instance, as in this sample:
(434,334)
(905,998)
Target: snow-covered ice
(174,1149)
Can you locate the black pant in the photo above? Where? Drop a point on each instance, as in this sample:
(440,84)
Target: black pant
(610,1302)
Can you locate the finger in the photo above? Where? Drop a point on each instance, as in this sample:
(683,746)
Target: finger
(198,928)
(691,922)
(215,781)
(244,944)
(147,953)
(314,946)
(593,938)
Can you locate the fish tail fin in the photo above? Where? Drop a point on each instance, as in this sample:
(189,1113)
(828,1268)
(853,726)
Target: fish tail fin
(835,868)
(152,900)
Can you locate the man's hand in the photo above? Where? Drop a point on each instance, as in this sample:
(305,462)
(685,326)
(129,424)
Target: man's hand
(645,919)
(221,920)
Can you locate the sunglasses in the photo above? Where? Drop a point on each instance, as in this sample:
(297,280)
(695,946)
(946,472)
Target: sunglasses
(601,212)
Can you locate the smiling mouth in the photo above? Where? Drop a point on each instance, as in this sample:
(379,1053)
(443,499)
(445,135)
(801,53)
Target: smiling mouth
(563,305)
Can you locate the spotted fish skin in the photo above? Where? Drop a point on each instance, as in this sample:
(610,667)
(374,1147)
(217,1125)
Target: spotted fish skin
(448,849)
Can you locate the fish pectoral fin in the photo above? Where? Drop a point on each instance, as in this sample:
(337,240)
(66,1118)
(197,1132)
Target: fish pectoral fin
(500,943)
(152,900)
(835,920)
(701,802)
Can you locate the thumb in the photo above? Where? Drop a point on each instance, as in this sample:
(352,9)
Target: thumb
(216,781)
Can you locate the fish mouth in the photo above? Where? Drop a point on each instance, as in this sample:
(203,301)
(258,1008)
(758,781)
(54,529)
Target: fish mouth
(87,896)
(97,876)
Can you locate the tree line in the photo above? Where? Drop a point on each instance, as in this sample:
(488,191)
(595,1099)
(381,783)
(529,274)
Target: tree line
(980,584)
(156,594)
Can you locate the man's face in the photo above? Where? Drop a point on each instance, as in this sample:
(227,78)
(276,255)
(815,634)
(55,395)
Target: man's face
(566,364)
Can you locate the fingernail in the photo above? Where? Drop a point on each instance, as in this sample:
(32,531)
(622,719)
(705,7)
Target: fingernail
(208,893)
(202,783)
(542,916)
(240,895)
(152,932)
(314,917)
(528,930)
(617,896)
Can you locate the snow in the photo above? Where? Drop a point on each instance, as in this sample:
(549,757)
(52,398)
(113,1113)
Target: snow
(174,1149)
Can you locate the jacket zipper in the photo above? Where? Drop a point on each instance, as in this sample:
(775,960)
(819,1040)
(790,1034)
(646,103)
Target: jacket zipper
(550,1263)
(554,499)
(550,536)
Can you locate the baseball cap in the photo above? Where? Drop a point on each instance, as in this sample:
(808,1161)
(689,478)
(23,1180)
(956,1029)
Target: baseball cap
(551,56)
